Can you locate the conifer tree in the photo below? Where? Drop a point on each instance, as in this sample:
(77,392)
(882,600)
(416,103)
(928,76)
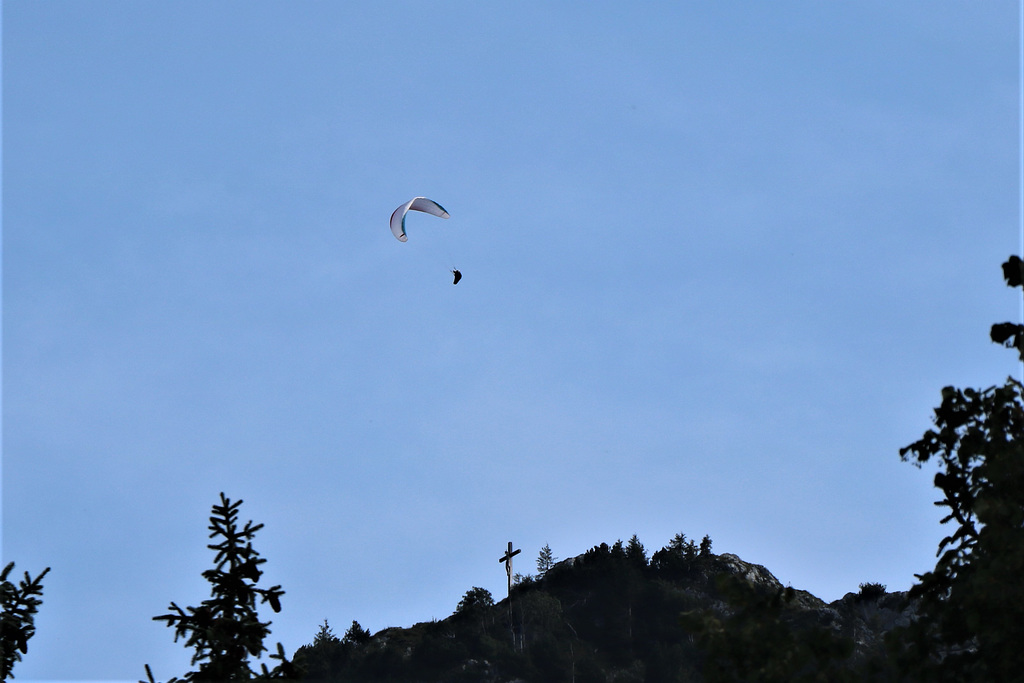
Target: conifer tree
(678,543)
(324,636)
(545,560)
(225,630)
(636,552)
(323,657)
(356,634)
(686,549)
(17,623)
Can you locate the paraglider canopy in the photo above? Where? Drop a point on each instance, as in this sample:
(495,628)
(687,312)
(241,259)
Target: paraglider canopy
(416,204)
(458,275)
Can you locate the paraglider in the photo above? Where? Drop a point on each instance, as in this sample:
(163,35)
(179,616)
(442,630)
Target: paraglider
(415,204)
(418,204)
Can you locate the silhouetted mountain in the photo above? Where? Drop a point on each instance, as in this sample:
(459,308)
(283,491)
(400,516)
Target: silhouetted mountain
(612,615)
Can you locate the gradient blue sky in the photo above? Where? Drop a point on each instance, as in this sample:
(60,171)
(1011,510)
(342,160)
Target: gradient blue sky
(719,260)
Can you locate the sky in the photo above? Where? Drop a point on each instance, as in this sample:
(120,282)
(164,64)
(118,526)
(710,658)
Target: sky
(718,261)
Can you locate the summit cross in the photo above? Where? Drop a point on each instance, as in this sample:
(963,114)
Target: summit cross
(507,559)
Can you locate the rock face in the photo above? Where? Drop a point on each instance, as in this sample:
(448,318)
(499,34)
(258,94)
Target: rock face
(754,573)
(865,618)
(605,616)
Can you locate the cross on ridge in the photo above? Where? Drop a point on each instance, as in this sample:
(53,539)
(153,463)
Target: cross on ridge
(507,559)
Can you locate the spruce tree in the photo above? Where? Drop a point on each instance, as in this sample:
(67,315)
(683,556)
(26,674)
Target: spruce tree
(636,552)
(17,623)
(684,548)
(356,634)
(324,636)
(327,654)
(545,560)
(225,630)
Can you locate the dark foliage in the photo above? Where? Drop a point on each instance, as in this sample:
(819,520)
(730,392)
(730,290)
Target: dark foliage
(17,623)
(1011,335)
(761,639)
(327,654)
(355,635)
(476,601)
(225,630)
(607,615)
(545,560)
(972,603)
(871,591)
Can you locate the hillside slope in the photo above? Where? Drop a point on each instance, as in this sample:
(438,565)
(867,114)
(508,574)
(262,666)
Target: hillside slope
(612,615)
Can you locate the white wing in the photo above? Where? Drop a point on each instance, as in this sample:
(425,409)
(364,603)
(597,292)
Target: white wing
(416,204)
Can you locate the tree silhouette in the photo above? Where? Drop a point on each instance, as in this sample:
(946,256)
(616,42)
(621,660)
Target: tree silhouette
(17,623)
(972,603)
(681,557)
(475,601)
(324,636)
(1011,335)
(356,634)
(636,552)
(326,655)
(684,548)
(225,630)
(545,560)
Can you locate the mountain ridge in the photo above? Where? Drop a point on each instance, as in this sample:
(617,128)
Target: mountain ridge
(610,614)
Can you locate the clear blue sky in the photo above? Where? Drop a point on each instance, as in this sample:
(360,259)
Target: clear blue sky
(719,259)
